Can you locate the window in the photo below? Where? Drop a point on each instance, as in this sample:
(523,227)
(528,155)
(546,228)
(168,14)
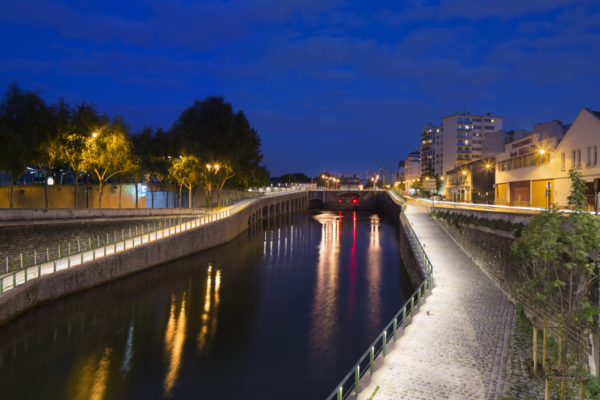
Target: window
(579,158)
(595,158)
(562,161)
(573,154)
(588,160)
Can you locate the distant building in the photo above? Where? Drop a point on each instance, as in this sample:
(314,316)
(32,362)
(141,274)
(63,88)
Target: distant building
(412,166)
(401,170)
(463,136)
(538,165)
(472,182)
(459,140)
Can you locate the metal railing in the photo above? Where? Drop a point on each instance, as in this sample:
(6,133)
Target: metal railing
(102,246)
(351,382)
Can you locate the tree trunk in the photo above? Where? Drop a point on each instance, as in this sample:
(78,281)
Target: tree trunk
(11,192)
(190,197)
(75,195)
(46,192)
(180,189)
(219,197)
(87,191)
(120,189)
(136,194)
(152,197)
(100,188)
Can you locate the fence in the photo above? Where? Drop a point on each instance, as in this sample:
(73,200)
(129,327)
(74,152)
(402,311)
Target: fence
(101,246)
(351,382)
(104,245)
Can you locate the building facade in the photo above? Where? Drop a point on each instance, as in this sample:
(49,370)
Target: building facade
(412,166)
(463,136)
(472,183)
(534,171)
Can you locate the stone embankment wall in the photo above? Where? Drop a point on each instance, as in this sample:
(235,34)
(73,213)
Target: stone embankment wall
(490,250)
(139,258)
(415,271)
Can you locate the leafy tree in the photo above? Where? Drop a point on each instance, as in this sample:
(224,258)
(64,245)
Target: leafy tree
(186,172)
(154,148)
(109,152)
(559,259)
(24,122)
(212,131)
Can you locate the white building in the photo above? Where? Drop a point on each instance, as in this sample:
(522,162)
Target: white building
(462,138)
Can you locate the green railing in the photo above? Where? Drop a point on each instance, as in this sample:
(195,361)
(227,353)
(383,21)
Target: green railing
(351,382)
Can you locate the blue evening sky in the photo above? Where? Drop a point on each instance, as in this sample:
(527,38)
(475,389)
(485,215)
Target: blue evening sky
(333,85)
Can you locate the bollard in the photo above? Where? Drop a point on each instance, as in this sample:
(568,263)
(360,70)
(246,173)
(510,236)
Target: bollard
(69,248)
(339,393)
(59,251)
(25,271)
(81,254)
(47,254)
(90,242)
(14,280)
(55,265)
(98,241)
(395,328)
(69,262)
(384,343)
(357,380)
(39,270)
(78,246)
(371,359)
(21,256)
(6,264)
(412,305)
(34,257)
(404,317)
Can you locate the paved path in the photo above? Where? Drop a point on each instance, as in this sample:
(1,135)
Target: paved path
(460,345)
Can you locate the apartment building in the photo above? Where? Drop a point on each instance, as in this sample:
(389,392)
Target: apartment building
(412,166)
(463,136)
(534,170)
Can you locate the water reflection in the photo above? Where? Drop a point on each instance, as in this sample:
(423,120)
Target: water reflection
(126,366)
(374,268)
(208,322)
(90,379)
(324,306)
(174,340)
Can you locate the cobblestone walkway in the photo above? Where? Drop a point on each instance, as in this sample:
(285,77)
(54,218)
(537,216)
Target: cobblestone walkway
(463,342)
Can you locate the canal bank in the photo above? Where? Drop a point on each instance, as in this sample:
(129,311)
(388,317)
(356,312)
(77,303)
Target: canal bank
(28,290)
(283,310)
(462,344)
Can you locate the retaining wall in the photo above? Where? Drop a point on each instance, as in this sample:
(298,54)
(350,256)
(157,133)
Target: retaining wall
(139,258)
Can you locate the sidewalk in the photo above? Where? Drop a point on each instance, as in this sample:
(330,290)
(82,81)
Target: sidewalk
(461,342)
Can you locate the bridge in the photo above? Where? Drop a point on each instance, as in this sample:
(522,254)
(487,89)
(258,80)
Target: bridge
(346,199)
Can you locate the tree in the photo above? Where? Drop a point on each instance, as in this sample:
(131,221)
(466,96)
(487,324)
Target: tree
(84,122)
(186,172)
(154,148)
(223,172)
(212,131)
(559,259)
(24,122)
(108,152)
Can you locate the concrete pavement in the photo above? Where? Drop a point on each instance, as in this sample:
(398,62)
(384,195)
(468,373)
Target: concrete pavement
(462,343)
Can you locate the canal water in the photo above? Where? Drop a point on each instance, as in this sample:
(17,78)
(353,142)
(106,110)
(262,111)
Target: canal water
(281,312)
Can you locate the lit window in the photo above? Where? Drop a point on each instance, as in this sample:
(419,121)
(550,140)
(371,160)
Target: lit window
(573,154)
